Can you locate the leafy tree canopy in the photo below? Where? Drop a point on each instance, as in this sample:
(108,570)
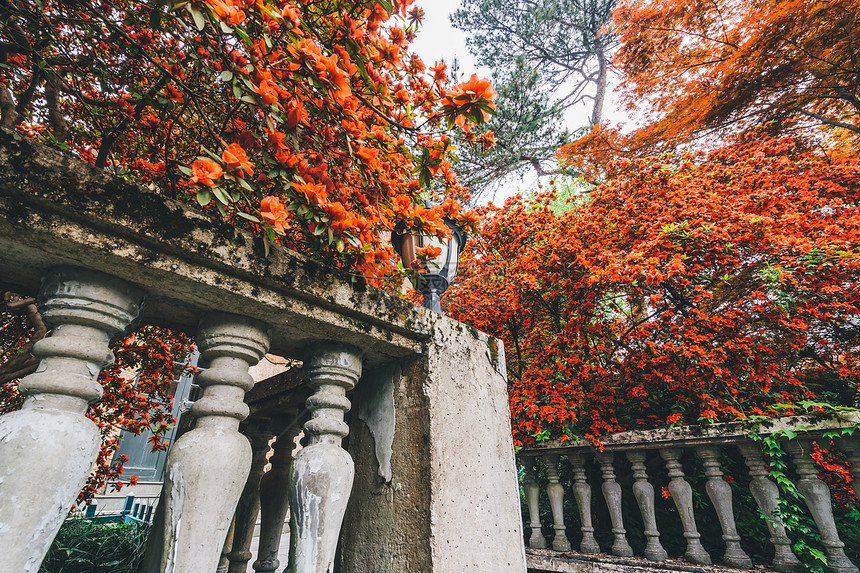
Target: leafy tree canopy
(687,289)
(698,71)
(546,56)
(307,120)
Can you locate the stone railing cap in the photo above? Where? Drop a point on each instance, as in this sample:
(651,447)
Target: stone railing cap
(55,210)
(814,424)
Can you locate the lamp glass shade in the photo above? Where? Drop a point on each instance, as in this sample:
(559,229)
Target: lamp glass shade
(442,269)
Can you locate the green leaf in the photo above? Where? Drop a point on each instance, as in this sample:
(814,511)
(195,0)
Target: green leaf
(226,76)
(249,217)
(241,33)
(185,170)
(221,195)
(246,185)
(211,154)
(818,554)
(225,28)
(203,197)
(197,16)
(155,16)
(320,229)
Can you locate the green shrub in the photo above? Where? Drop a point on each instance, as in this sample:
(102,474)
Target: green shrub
(84,546)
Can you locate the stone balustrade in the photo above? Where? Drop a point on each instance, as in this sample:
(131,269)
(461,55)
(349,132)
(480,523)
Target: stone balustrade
(410,492)
(639,456)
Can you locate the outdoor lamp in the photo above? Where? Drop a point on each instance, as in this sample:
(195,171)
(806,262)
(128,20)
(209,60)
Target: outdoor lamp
(440,271)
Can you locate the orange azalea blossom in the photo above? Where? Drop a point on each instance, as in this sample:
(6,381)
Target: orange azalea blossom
(205,172)
(480,88)
(274,213)
(339,219)
(296,114)
(315,194)
(268,91)
(429,252)
(468,96)
(438,70)
(236,158)
(226,10)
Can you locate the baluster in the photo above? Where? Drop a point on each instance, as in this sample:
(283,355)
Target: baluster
(682,495)
(532,491)
(555,492)
(766,495)
(816,495)
(49,446)
(582,495)
(224,558)
(850,446)
(322,472)
(275,497)
(208,467)
(643,491)
(612,495)
(720,493)
(260,434)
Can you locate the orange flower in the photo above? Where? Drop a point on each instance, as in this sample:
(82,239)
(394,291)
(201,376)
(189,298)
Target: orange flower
(205,172)
(339,219)
(225,10)
(468,99)
(314,193)
(274,213)
(438,70)
(296,114)
(236,158)
(479,88)
(429,252)
(268,91)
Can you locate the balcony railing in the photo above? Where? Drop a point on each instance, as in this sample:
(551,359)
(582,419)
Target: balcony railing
(604,479)
(415,491)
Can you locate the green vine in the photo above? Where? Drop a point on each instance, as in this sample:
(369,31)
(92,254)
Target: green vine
(791,510)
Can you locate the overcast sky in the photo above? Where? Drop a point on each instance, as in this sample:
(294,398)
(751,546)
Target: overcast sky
(438,39)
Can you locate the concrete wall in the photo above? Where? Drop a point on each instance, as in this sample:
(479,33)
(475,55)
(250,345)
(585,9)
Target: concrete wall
(435,488)
(451,502)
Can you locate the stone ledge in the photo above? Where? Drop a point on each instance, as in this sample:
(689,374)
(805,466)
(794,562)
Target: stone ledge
(55,210)
(548,561)
(685,436)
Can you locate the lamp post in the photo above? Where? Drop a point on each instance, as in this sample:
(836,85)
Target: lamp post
(441,270)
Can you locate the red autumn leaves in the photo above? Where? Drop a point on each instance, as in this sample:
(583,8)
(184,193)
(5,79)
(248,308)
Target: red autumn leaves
(684,290)
(230,102)
(351,134)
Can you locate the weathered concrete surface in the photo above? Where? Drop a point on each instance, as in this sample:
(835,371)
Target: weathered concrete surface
(544,561)
(47,448)
(395,515)
(710,434)
(63,212)
(452,504)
